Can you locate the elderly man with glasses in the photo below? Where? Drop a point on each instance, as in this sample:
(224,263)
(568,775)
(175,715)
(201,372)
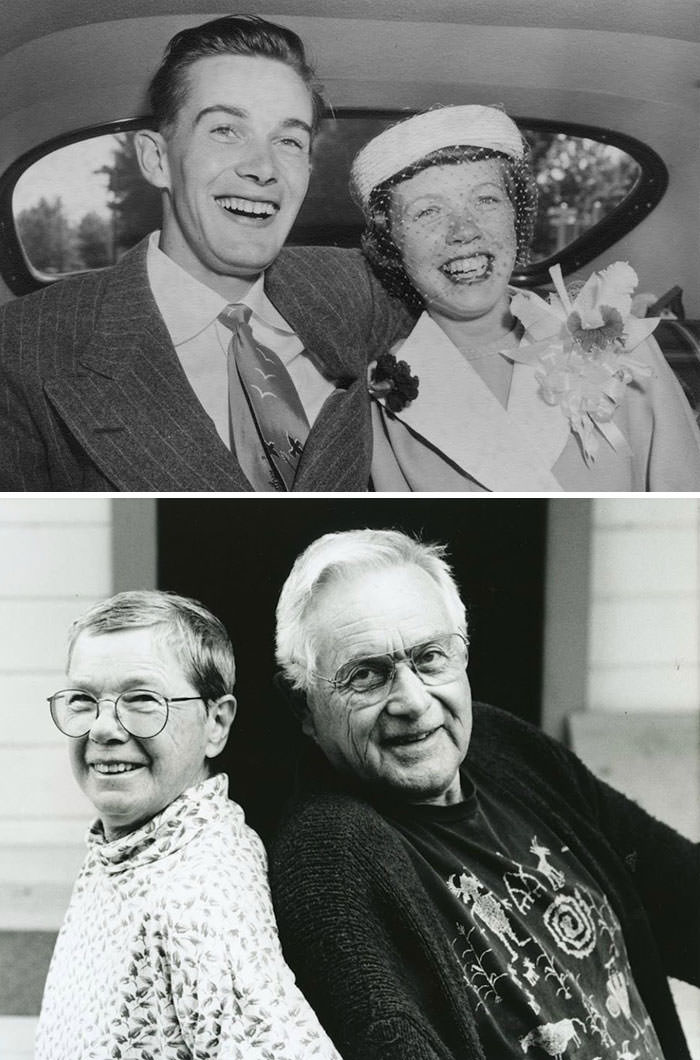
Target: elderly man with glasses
(169,948)
(451,884)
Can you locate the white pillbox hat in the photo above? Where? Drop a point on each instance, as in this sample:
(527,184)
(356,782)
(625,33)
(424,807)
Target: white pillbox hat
(413,139)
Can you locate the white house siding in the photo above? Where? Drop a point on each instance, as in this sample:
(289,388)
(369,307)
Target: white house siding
(55,560)
(640,726)
(644,615)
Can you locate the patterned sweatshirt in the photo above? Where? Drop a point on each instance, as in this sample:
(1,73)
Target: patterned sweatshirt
(169,948)
(369,950)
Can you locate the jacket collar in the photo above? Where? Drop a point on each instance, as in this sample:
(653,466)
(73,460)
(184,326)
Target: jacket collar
(189,306)
(504,450)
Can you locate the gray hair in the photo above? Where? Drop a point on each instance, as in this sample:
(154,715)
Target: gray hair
(199,637)
(340,556)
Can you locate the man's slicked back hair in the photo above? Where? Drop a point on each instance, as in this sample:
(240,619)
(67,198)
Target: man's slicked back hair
(246,35)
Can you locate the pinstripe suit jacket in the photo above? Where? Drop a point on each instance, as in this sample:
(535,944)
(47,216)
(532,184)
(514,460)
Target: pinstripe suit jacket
(93,396)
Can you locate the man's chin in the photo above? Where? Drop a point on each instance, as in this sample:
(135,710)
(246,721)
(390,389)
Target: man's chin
(247,251)
(218,260)
(244,268)
(413,789)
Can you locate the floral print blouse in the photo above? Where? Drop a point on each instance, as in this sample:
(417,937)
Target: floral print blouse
(169,948)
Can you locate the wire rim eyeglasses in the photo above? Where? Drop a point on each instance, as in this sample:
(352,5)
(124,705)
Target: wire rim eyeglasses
(140,711)
(434,661)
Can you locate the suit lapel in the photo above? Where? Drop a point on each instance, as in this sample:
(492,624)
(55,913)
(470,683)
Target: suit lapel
(338,449)
(319,323)
(129,403)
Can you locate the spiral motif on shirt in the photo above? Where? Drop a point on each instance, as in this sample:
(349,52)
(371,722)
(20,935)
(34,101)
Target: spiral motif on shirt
(569,921)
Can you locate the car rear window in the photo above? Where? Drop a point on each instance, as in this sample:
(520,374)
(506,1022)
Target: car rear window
(81,204)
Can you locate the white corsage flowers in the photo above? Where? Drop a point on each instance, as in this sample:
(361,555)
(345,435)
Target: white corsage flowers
(580,343)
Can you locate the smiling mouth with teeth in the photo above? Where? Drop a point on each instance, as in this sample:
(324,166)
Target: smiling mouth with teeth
(115,767)
(468,269)
(249,208)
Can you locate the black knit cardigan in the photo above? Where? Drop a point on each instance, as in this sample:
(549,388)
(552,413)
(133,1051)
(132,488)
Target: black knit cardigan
(368,950)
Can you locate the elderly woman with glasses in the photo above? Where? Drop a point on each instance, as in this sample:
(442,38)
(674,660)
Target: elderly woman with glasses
(497,390)
(169,947)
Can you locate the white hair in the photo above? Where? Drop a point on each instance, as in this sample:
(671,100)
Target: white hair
(344,555)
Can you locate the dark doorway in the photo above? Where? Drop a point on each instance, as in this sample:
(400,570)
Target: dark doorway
(234,556)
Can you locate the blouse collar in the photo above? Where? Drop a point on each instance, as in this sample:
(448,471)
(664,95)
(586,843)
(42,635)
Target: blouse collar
(167,832)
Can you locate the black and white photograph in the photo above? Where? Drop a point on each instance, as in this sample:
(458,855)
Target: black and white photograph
(445,768)
(352,774)
(340,246)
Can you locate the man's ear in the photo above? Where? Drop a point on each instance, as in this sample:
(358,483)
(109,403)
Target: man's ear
(220,715)
(152,155)
(296,701)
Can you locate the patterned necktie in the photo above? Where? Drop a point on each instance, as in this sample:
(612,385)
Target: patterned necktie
(274,404)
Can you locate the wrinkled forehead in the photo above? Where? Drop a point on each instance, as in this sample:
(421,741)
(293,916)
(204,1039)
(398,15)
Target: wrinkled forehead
(452,181)
(377,611)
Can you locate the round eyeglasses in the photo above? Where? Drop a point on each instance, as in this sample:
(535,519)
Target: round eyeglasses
(369,679)
(141,712)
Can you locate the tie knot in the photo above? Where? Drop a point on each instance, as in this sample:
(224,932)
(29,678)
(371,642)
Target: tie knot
(234,315)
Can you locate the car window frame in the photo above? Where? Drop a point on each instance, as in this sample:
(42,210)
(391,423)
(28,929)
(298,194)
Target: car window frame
(640,202)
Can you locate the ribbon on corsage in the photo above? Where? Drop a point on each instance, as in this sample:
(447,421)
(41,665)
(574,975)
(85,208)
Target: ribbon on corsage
(580,344)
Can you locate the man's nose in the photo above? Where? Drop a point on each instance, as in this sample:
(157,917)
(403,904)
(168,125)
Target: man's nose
(106,728)
(408,694)
(257,163)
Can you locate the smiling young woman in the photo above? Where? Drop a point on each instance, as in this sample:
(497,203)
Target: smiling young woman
(450,207)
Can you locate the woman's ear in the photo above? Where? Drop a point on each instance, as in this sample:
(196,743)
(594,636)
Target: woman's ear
(152,154)
(220,715)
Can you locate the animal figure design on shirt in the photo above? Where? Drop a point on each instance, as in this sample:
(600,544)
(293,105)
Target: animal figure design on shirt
(487,908)
(554,876)
(531,973)
(552,1038)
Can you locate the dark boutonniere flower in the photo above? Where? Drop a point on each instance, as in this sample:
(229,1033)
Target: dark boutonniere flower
(391,380)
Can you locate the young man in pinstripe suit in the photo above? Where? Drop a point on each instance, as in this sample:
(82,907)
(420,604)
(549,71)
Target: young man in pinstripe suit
(122,380)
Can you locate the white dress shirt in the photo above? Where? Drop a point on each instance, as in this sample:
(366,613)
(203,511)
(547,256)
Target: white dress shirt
(190,310)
